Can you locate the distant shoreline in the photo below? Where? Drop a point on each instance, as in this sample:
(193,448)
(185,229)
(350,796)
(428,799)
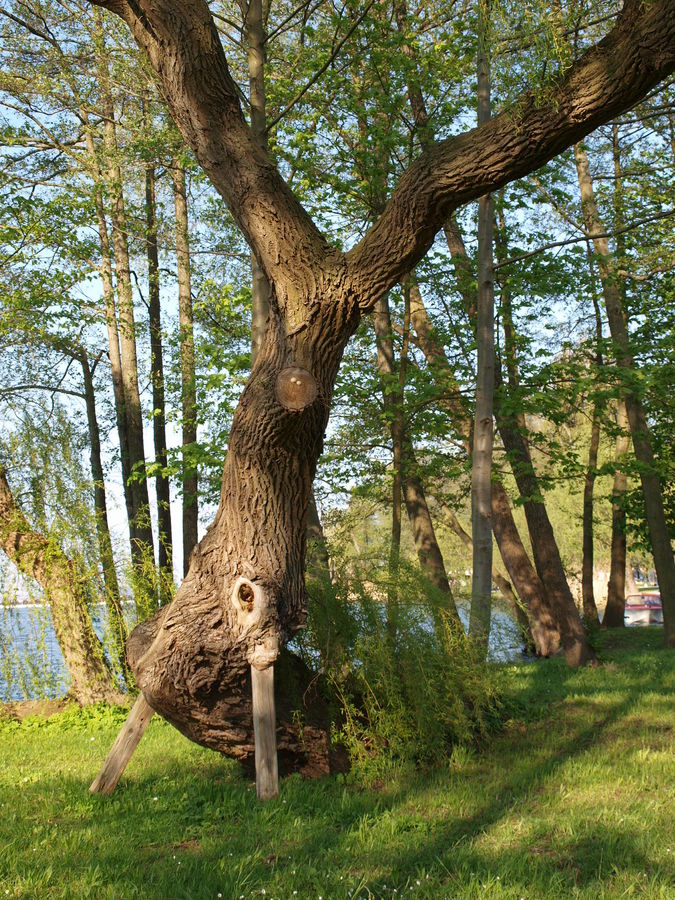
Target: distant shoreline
(46,605)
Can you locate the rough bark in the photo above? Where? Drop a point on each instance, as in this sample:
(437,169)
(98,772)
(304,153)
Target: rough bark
(39,558)
(187,365)
(642,445)
(616,587)
(162,486)
(254,28)
(243,595)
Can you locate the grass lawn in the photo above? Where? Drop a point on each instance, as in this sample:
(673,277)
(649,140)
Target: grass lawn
(574,797)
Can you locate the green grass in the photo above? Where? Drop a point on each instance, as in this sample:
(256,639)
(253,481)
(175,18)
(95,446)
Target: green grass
(574,797)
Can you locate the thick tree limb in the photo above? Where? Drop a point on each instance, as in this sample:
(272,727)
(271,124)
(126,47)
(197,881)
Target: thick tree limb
(182,43)
(612,76)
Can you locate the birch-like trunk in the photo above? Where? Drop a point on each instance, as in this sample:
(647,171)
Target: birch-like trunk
(521,571)
(162,486)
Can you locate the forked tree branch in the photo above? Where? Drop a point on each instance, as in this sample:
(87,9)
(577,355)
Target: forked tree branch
(183,46)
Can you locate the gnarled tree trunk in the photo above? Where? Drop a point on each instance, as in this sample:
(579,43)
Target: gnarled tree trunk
(243,595)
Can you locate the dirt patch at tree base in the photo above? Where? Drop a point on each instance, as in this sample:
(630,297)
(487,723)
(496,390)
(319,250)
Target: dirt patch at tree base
(20,709)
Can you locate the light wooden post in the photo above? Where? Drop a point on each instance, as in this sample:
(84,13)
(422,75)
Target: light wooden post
(125,744)
(265,731)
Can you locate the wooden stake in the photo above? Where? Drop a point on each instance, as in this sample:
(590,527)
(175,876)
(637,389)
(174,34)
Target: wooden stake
(265,731)
(125,744)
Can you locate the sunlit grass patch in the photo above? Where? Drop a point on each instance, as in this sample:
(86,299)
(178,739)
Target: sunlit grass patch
(573,797)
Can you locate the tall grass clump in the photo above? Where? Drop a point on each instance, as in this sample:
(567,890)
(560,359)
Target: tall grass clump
(410,683)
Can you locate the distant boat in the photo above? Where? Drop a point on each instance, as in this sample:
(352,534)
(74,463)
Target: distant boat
(643,609)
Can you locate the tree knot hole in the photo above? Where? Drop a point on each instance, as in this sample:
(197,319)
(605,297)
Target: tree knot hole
(246,597)
(296,388)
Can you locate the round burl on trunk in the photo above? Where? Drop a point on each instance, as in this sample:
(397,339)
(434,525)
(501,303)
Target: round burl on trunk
(295,388)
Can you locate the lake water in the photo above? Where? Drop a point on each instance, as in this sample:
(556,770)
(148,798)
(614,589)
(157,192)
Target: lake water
(31,663)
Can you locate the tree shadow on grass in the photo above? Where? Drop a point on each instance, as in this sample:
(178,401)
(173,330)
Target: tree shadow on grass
(206,834)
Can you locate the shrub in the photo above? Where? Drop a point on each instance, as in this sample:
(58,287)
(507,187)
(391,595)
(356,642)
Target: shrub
(412,685)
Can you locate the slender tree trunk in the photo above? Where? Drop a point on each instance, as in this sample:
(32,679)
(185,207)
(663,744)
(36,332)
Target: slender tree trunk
(112,592)
(187,365)
(503,584)
(546,630)
(521,571)
(587,566)
(481,455)
(40,558)
(393,407)
(544,547)
(162,487)
(548,564)
(114,355)
(587,591)
(616,588)
(421,523)
(142,543)
(642,446)
(528,583)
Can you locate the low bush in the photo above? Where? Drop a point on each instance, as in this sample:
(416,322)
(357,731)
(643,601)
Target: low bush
(412,685)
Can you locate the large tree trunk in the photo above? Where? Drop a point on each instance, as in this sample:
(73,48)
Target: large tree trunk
(243,595)
(162,486)
(187,365)
(616,588)
(40,558)
(642,446)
